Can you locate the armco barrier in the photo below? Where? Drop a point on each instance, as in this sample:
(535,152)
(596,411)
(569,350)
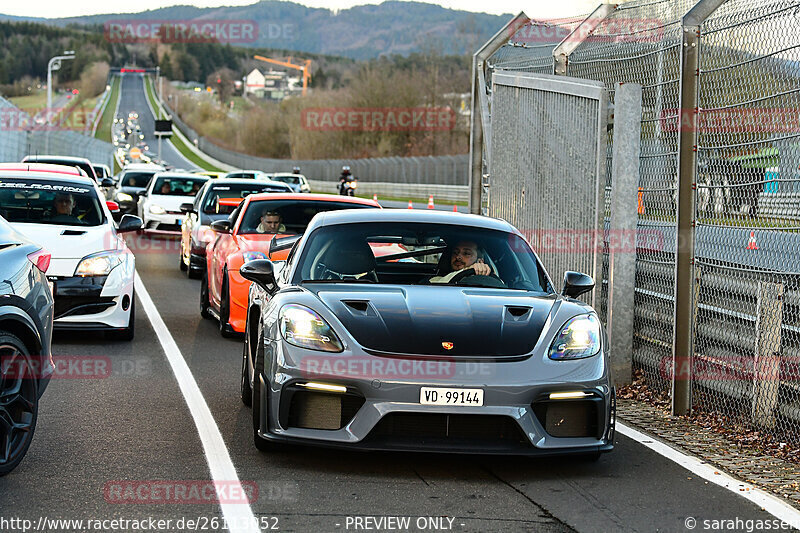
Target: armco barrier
(444,193)
(449,170)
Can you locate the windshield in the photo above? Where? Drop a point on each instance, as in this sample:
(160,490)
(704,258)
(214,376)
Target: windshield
(417,253)
(287,216)
(293,180)
(136,179)
(49,202)
(178,186)
(211,204)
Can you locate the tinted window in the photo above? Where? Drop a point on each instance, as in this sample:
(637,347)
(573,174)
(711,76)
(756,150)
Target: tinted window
(294,180)
(294,215)
(136,179)
(46,202)
(178,186)
(418,253)
(211,204)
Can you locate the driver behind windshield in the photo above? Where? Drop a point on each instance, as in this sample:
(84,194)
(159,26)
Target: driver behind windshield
(464,255)
(271,222)
(63,204)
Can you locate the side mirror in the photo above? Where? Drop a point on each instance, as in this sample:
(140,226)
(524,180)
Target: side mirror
(576,284)
(221,226)
(143,193)
(129,223)
(188,207)
(105,182)
(261,272)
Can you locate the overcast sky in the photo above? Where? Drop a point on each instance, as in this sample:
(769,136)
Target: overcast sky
(60,8)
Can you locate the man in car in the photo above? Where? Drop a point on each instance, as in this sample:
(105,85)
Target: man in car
(271,223)
(63,204)
(165,188)
(464,255)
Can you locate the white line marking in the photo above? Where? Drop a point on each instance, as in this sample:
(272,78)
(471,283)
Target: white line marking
(771,504)
(240,517)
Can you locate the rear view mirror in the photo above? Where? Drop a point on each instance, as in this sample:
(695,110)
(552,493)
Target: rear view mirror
(221,226)
(129,223)
(187,208)
(261,272)
(105,182)
(576,284)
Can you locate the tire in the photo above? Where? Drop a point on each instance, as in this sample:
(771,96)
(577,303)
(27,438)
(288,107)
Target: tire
(20,371)
(184,266)
(204,303)
(261,444)
(126,334)
(245,388)
(194,272)
(225,328)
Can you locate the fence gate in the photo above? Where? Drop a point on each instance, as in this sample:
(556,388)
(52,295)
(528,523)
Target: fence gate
(550,185)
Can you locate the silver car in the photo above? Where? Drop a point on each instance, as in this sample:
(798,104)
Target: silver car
(414,330)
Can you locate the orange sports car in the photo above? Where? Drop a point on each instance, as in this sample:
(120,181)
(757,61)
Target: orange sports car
(246,235)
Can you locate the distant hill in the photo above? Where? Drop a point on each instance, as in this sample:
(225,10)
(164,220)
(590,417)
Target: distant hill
(362,32)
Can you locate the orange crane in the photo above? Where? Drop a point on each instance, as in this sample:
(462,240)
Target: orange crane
(305,67)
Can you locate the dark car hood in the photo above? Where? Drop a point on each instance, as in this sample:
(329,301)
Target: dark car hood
(417,320)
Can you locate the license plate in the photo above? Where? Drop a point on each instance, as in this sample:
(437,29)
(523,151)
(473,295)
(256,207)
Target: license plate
(443,396)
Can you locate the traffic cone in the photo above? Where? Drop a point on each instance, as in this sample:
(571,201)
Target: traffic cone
(455,209)
(410,206)
(374,197)
(430,202)
(751,244)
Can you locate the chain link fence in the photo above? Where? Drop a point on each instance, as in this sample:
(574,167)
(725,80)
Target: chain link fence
(17,141)
(745,127)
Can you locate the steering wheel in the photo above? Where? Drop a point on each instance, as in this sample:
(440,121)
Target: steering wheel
(469,272)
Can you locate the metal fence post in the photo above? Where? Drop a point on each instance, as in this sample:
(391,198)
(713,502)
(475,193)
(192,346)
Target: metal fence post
(767,367)
(683,332)
(572,41)
(622,232)
(480,122)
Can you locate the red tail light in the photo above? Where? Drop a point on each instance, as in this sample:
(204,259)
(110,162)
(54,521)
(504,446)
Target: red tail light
(112,206)
(41,259)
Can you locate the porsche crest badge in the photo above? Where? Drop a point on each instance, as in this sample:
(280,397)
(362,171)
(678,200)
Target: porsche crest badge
(447,345)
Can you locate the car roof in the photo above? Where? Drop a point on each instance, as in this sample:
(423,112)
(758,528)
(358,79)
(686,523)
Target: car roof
(311,197)
(355,216)
(50,176)
(239,181)
(280,174)
(143,166)
(177,174)
(43,167)
(67,158)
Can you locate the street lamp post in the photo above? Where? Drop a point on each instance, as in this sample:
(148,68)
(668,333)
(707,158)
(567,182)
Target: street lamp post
(53,64)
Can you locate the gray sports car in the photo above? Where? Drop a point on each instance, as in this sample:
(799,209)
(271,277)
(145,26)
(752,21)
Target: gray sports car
(412,330)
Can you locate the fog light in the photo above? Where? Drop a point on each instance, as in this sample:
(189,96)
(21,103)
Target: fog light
(126,302)
(576,395)
(324,387)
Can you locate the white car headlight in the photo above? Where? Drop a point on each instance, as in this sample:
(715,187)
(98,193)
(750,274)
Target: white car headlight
(579,338)
(157,210)
(124,197)
(99,264)
(304,328)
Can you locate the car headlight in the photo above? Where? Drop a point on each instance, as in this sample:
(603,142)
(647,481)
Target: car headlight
(249,256)
(304,328)
(99,264)
(124,197)
(157,210)
(579,338)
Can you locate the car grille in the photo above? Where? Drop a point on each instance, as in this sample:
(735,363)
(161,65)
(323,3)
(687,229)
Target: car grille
(477,429)
(77,306)
(319,410)
(571,418)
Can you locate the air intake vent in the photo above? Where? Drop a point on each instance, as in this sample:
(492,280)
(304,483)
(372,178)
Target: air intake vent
(517,311)
(357,305)
(72,232)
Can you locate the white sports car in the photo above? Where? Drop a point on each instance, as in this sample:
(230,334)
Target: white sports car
(160,204)
(92,270)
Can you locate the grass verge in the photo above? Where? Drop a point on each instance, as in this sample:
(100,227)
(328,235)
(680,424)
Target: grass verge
(104,128)
(175,140)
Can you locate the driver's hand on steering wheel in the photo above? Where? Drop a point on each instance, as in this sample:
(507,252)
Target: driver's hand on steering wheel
(481,268)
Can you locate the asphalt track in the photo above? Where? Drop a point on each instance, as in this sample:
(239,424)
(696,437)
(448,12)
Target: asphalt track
(97,428)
